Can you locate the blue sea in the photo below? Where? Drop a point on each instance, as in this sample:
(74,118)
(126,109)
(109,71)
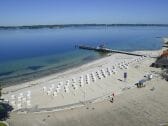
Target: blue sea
(26,54)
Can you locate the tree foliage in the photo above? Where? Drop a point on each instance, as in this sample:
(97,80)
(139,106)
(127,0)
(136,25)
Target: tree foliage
(5,108)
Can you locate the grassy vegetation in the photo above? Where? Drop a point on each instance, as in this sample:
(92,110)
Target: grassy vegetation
(5,109)
(2,124)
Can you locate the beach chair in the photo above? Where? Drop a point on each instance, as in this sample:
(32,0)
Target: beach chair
(67,83)
(44,89)
(98,75)
(113,67)
(48,92)
(12,97)
(54,93)
(103,73)
(24,99)
(66,89)
(73,80)
(57,90)
(51,89)
(60,84)
(93,77)
(52,86)
(19,106)
(28,103)
(19,99)
(81,83)
(87,79)
(114,71)
(109,71)
(28,92)
(74,85)
(58,87)
(13,103)
(21,95)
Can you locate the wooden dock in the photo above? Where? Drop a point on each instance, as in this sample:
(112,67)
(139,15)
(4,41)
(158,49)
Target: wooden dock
(107,50)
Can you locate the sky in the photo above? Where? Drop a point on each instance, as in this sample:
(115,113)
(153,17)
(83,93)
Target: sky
(34,12)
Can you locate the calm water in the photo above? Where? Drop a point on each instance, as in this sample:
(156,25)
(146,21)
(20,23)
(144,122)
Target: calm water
(43,51)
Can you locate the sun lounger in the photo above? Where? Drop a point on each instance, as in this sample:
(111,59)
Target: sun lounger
(81,83)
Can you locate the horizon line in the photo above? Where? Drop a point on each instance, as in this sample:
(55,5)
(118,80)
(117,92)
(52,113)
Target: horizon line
(81,24)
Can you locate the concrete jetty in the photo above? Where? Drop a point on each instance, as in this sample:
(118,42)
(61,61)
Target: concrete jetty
(107,50)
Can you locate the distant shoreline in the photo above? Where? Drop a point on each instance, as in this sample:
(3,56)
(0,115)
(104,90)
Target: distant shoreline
(75,25)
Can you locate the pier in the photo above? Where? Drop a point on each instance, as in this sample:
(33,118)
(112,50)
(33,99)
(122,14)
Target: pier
(107,50)
(165,46)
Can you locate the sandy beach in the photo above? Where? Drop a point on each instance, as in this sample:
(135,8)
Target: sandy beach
(138,107)
(65,98)
(44,93)
(84,63)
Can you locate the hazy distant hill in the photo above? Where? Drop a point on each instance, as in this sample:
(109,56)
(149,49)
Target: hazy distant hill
(75,25)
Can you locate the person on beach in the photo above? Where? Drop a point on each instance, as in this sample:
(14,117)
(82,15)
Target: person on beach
(113,94)
(112,98)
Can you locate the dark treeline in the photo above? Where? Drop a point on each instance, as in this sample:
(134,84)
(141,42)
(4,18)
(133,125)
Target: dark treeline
(75,25)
